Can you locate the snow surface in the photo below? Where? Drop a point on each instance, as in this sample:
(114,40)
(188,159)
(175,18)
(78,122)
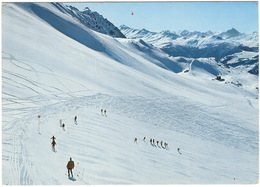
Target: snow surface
(55,67)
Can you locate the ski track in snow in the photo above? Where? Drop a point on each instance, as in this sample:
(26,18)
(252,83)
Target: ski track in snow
(149,111)
(19,81)
(19,165)
(172,113)
(14,61)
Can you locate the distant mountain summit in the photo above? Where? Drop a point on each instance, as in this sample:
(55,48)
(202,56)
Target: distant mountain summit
(92,20)
(230,33)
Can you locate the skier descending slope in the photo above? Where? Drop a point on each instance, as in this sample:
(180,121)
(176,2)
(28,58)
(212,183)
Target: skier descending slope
(179,150)
(63,126)
(75,120)
(53,138)
(70,166)
(53,146)
(53,143)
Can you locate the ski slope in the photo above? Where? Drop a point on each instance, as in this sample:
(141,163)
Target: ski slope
(57,68)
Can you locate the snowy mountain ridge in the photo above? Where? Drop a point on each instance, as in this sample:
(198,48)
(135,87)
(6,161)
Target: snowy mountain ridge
(92,20)
(204,45)
(55,68)
(232,33)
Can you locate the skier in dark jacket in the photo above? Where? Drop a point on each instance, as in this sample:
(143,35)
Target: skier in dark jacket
(75,120)
(53,138)
(162,144)
(70,166)
(63,126)
(53,143)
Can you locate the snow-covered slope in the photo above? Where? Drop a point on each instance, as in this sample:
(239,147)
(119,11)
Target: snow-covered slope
(56,67)
(203,44)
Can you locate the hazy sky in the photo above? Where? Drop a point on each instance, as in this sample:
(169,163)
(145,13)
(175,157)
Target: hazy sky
(174,16)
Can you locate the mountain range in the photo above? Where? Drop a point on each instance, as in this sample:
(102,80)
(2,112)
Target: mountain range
(231,48)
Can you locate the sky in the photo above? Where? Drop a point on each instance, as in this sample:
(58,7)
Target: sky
(175,16)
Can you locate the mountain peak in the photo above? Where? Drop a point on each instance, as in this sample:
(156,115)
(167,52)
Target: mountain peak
(86,11)
(143,31)
(230,33)
(124,27)
(233,30)
(70,7)
(95,21)
(166,31)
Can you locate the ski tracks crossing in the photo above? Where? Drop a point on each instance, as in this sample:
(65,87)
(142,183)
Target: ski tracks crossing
(152,112)
(15,156)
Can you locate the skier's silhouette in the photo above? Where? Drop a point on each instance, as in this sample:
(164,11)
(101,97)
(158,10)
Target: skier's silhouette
(63,126)
(53,143)
(70,166)
(75,120)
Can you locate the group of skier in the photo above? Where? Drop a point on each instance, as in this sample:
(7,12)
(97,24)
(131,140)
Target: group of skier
(104,112)
(62,125)
(70,164)
(157,143)
(154,143)
(164,145)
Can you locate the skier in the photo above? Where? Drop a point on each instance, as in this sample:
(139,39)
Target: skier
(53,138)
(135,140)
(105,112)
(63,126)
(144,139)
(102,111)
(53,143)
(166,145)
(70,166)
(75,120)
(162,144)
(179,150)
(151,141)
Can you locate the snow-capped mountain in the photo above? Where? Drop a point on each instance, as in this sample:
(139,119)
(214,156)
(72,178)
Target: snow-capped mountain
(230,34)
(221,46)
(54,67)
(91,19)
